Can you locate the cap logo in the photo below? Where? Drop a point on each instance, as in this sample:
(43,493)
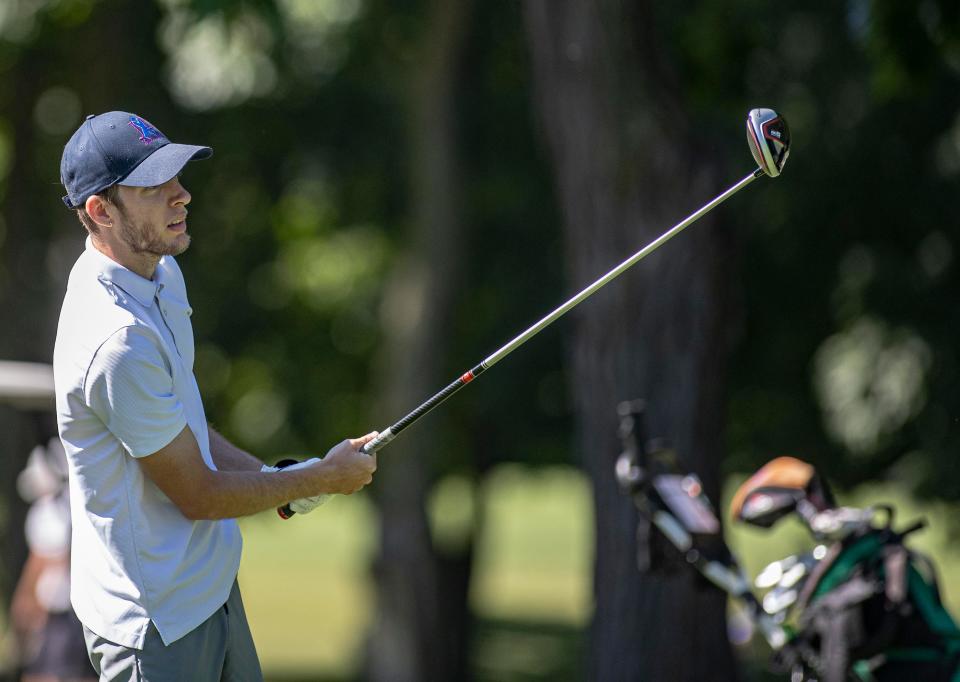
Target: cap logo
(147,132)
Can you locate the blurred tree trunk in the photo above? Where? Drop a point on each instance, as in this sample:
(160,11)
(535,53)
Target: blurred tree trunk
(627,168)
(422,624)
(26,309)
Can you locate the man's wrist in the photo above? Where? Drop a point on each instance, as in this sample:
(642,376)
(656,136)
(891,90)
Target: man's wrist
(302,505)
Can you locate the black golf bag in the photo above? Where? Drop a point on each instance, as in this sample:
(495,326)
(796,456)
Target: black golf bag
(871,611)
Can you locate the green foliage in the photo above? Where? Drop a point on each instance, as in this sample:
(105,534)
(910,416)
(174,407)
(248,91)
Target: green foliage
(859,230)
(305,207)
(845,340)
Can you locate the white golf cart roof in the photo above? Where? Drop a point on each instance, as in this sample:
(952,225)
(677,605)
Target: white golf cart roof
(26,385)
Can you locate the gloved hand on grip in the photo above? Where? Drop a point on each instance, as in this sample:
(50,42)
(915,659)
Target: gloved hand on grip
(304,505)
(347,467)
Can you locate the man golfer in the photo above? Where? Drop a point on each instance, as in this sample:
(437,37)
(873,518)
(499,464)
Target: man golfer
(153,489)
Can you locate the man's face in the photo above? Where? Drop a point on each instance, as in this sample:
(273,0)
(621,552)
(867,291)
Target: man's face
(153,220)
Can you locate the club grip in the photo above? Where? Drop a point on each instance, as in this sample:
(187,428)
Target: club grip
(285,512)
(371,447)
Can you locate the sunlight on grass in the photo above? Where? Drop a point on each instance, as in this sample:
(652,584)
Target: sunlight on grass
(309,595)
(305,586)
(535,559)
(308,592)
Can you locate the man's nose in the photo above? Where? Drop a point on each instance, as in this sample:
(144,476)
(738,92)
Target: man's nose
(180,193)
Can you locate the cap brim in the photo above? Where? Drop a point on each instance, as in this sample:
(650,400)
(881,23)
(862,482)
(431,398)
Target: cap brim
(163,164)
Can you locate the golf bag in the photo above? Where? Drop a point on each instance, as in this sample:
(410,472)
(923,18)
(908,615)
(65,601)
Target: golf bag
(860,607)
(871,611)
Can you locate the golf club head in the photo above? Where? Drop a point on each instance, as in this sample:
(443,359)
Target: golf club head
(774,571)
(778,600)
(766,505)
(776,489)
(769,138)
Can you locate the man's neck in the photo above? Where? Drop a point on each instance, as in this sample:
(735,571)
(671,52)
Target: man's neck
(144,264)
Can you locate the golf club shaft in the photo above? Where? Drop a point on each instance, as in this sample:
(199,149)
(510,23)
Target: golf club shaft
(488,362)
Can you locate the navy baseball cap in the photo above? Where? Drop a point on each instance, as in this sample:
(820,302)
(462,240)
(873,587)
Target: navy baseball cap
(120,148)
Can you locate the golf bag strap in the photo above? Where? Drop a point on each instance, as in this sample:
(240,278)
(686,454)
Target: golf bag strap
(840,631)
(837,622)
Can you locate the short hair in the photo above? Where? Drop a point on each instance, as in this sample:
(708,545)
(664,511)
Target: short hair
(110,194)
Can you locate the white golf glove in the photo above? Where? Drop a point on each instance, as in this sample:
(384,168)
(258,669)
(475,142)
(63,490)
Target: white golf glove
(304,505)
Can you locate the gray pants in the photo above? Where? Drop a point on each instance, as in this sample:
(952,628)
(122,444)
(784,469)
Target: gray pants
(219,649)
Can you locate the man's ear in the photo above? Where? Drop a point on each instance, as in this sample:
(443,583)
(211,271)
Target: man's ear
(97,210)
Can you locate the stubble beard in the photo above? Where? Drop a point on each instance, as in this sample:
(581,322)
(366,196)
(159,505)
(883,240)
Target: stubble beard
(144,241)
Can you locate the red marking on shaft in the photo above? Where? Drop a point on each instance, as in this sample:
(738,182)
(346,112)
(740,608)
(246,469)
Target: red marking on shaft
(467,377)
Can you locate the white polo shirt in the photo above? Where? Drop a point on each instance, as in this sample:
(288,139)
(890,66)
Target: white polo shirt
(123,368)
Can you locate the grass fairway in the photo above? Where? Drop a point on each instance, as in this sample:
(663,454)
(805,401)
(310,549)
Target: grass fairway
(535,559)
(310,599)
(306,589)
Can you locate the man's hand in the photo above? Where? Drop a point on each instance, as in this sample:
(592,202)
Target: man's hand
(346,469)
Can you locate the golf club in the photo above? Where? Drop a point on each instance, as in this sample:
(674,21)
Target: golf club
(769,138)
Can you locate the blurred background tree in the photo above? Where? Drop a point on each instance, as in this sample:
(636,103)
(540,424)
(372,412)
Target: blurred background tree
(398,188)
(628,159)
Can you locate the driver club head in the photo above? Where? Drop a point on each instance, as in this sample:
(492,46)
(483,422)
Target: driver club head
(769,138)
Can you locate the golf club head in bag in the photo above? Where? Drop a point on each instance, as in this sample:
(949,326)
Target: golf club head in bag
(784,580)
(778,488)
(769,138)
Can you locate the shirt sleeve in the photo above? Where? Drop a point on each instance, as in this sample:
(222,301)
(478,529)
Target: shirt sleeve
(129,386)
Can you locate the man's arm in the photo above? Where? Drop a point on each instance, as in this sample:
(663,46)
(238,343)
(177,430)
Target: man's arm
(228,457)
(199,492)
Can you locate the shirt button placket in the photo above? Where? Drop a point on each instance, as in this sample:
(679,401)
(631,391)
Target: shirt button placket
(164,315)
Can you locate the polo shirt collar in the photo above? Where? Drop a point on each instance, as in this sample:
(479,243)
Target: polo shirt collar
(110,271)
